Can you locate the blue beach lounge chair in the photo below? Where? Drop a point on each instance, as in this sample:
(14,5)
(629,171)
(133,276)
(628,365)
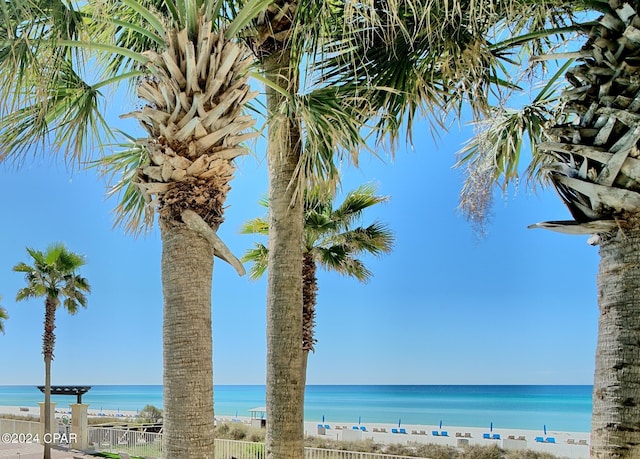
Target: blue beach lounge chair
(356,428)
(445,433)
(435,433)
(403,431)
(551,440)
(539,439)
(363,428)
(496,436)
(486,436)
(327,426)
(394,430)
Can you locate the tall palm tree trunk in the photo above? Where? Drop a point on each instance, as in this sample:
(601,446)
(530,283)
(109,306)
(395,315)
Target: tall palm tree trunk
(187,268)
(309,292)
(285,387)
(615,428)
(48,343)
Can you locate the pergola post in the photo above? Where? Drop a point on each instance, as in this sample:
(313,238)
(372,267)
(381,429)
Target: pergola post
(79,426)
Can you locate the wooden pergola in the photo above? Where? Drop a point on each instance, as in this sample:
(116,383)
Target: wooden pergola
(78,391)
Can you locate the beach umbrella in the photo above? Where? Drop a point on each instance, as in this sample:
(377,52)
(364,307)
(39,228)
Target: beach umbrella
(491,427)
(441,423)
(323,418)
(544,428)
(399,422)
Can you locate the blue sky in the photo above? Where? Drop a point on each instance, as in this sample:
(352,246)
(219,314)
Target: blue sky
(517,307)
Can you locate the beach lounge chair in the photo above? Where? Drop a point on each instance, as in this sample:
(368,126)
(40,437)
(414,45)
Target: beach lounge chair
(355,428)
(403,431)
(327,426)
(394,430)
(423,432)
(496,437)
(539,439)
(511,437)
(444,433)
(435,433)
(363,428)
(582,442)
(571,441)
(522,437)
(458,434)
(375,429)
(486,436)
(414,432)
(551,440)
(383,430)
(467,435)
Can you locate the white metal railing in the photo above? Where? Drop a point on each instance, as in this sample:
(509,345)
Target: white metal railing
(149,445)
(227,449)
(134,442)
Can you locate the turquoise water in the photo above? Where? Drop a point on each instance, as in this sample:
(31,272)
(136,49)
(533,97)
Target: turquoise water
(565,408)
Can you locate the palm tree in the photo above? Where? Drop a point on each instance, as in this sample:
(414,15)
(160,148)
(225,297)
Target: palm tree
(53,275)
(332,241)
(3,316)
(587,149)
(180,59)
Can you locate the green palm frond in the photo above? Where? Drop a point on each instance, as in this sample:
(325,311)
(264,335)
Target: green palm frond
(4,315)
(431,58)
(355,203)
(132,212)
(256,226)
(333,131)
(258,257)
(53,274)
(330,235)
(337,258)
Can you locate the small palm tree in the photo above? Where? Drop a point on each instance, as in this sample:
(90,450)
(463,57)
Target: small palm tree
(52,276)
(331,241)
(3,316)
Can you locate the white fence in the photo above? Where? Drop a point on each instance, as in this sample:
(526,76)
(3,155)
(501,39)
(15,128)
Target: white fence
(149,445)
(14,426)
(134,442)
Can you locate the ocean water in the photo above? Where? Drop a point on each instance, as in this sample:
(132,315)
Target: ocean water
(564,408)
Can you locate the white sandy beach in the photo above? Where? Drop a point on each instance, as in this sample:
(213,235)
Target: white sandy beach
(567,444)
(573,445)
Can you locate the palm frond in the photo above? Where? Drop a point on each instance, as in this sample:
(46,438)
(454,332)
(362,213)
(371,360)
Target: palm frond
(132,211)
(255,226)
(258,257)
(494,155)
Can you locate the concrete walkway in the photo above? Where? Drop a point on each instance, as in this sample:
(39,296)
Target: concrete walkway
(35,451)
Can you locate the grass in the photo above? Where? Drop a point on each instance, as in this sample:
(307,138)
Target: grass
(113,456)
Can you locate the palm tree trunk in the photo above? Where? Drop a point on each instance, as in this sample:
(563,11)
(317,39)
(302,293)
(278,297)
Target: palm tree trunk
(48,343)
(285,388)
(309,292)
(187,268)
(615,428)
(47,408)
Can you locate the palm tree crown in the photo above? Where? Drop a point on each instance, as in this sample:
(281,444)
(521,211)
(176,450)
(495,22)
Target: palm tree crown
(331,240)
(53,276)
